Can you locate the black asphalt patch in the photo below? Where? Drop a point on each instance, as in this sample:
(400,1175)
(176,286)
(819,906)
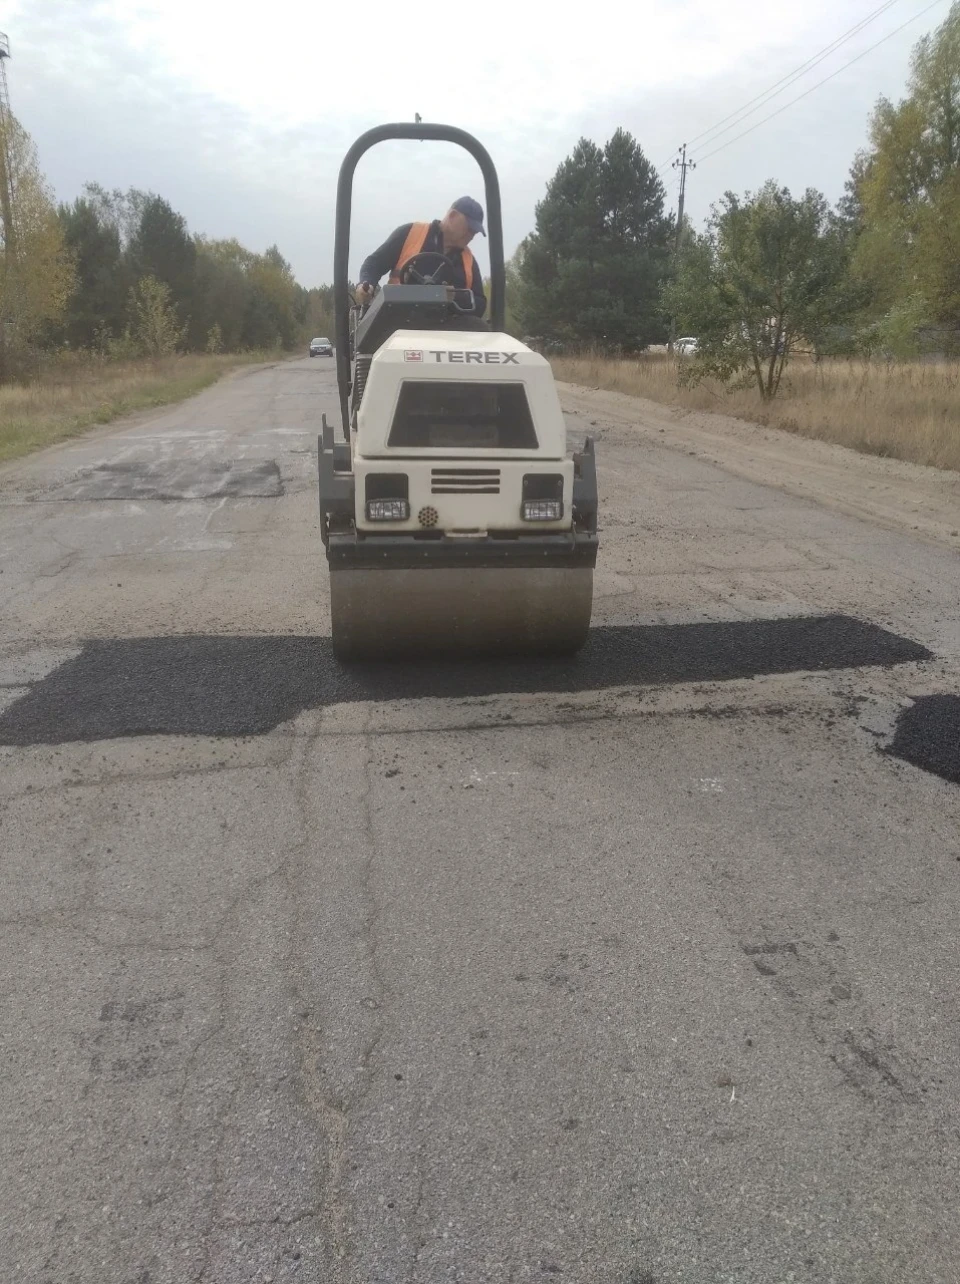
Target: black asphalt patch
(928,736)
(238,686)
(174,480)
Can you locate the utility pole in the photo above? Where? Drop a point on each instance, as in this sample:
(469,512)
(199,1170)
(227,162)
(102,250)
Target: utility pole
(682,164)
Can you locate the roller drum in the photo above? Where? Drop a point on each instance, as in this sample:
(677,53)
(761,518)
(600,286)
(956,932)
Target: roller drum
(483,611)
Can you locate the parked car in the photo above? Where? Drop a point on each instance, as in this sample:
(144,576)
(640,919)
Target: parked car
(686,347)
(321,348)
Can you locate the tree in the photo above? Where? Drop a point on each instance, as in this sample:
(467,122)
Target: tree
(591,271)
(271,318)
(98,303)
(162,247)
(938,257)
(318,313)
(252,297)
(119,210)
(36,272)
(908,188)
(513,306)
(514,288)
(220,293)
(155,325)
(850,215)
(769,272)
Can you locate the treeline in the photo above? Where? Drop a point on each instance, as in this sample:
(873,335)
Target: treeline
(120,274)
(222,296)
(133,256)
(771,274)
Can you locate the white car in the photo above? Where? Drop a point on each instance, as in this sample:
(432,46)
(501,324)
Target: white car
(686,347)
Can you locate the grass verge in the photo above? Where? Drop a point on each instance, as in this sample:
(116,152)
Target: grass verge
(76,393)
(905,410)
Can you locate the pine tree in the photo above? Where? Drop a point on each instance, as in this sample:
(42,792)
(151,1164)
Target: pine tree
(162,247)
(99,301)
(592,269)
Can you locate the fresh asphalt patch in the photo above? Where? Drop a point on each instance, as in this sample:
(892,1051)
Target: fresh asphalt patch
(241,686)
(927,735)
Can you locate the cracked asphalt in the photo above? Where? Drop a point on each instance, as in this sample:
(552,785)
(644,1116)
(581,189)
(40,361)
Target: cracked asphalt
(632,969)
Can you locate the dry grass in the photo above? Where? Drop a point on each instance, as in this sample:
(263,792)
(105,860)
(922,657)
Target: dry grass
(908,410)
(77,392)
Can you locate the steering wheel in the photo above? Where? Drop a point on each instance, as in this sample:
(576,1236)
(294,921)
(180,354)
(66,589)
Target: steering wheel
(427,268)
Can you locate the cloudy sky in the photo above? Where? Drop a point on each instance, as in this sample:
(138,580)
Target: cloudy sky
(239,114)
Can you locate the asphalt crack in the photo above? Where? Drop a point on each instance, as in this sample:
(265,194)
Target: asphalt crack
(143,777)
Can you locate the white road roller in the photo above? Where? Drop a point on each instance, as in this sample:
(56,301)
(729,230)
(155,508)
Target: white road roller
(454,520)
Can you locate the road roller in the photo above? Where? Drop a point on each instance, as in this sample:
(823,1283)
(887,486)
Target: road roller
(455,521)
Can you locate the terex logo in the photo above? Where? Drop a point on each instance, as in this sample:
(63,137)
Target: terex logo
(477,358)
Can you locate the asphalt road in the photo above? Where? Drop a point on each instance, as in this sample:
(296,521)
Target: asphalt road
(632,969)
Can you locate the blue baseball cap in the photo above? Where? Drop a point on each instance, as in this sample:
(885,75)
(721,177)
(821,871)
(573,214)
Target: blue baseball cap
(472,211)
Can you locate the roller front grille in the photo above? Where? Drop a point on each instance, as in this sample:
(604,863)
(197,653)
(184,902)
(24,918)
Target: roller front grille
(465,481)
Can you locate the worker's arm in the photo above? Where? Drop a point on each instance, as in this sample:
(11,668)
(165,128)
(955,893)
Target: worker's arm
(384,259)
(476,285)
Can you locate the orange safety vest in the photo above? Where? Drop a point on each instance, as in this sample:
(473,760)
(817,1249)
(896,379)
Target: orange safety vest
(416,239)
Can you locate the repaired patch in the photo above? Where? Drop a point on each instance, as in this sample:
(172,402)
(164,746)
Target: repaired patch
(173,480)
(237,686)
(927,735)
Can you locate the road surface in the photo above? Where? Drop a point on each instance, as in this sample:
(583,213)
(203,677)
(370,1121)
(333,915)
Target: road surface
(631,969)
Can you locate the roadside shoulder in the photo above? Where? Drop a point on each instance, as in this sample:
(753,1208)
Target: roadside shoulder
(901,496)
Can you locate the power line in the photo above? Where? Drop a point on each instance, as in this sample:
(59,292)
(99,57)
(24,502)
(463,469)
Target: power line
(779,86)
(783,83)
(807,92)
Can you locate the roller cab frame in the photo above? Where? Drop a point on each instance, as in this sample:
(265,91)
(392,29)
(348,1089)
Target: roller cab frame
(453,518)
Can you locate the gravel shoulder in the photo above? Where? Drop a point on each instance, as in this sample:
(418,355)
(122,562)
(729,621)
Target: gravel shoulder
(894,494)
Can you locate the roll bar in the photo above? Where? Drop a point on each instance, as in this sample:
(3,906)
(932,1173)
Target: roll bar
(341,245)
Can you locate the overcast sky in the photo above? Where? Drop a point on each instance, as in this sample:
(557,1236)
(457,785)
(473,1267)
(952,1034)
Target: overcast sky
(239,114)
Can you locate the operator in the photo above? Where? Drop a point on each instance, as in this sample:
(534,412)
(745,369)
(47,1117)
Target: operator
(449,236)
